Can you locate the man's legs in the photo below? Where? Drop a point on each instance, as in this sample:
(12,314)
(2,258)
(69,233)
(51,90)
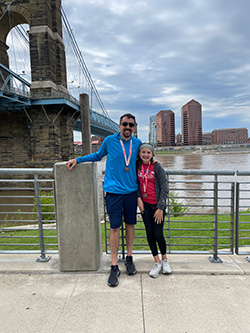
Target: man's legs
(114,210)
(116,205)
(130,235)
(114,241)
(114,244)
(129,211)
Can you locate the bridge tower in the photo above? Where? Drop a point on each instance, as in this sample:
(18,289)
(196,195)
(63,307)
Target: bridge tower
(39,134)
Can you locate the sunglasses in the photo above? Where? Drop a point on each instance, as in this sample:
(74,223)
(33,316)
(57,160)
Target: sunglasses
(125,124)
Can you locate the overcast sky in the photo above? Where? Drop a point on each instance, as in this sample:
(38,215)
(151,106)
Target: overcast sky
(146,56)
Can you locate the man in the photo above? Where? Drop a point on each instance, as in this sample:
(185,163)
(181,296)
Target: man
(120,185)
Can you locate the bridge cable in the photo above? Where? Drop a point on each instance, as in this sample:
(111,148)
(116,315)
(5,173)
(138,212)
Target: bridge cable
(82,62)
(10,26)
(6,9)
(23,34)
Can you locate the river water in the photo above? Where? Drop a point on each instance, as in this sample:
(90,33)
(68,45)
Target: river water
(235,161)
(232,161)
(197,160)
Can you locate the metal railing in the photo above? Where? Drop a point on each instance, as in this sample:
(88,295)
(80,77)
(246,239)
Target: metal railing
(27,212)
(242,217)
(207,211)
(200,215)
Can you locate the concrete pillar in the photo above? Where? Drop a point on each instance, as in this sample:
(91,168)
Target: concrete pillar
(85,121)
(79,232)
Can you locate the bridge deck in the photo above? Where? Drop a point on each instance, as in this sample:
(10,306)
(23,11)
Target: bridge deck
(14,98)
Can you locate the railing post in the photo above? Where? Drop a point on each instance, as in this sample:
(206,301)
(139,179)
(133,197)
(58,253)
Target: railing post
(215,258)
(54,194)
(232,217)
(237,218)
(42,258)
(168,207)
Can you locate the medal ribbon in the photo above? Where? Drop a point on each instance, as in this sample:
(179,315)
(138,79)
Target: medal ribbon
(145,177)
(127,161)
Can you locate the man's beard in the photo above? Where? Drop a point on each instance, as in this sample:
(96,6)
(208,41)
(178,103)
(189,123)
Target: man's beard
(127,133)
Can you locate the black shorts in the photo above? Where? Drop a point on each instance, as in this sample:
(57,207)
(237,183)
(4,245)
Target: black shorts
(121,204)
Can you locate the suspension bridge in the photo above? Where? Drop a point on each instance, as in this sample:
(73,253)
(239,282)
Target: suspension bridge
(42,75)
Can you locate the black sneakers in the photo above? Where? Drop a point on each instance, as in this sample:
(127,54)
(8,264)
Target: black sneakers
(130,267)
(113,277)
(115,272)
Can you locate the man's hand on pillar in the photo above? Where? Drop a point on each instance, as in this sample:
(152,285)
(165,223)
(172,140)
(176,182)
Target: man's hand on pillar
(71,164)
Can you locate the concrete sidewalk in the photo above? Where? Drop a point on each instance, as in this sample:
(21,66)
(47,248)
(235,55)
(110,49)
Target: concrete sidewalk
(180,264)
(198,297)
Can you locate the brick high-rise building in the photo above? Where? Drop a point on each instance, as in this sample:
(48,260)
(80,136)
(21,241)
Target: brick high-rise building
(230,135)
(191,123)
(165,128)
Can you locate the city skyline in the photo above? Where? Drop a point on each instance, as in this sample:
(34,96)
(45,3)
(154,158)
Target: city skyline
(146,56)
(162,129)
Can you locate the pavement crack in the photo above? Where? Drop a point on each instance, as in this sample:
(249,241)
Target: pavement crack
(142,306)
(242,270)
(65,303)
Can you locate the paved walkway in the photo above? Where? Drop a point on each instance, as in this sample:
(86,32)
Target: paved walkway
(198,297)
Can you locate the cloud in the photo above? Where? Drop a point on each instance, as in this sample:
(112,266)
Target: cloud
(145,56)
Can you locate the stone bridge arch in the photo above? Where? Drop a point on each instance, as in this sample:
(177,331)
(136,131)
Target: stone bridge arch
(47,51)
(40,133)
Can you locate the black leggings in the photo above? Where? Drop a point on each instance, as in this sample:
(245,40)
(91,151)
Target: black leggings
(154,231)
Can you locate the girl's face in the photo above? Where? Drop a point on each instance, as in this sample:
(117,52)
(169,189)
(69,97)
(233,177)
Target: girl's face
(146,155)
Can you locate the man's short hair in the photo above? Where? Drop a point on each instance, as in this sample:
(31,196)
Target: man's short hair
(128,115)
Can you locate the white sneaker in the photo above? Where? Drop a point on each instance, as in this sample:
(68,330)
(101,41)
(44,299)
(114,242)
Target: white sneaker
(155,271)
(166,269)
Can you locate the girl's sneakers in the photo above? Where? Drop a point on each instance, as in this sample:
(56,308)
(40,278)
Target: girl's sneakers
(157,268)
(166,269)
(155,271)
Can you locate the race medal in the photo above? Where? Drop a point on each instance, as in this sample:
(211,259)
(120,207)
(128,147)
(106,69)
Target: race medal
(127,160)
(145,180)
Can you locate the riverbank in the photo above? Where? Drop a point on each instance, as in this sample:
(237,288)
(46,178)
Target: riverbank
(206,150)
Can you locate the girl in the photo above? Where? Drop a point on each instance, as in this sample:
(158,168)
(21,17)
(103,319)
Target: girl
(152,194)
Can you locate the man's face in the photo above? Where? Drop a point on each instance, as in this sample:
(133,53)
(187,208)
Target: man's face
(127,127)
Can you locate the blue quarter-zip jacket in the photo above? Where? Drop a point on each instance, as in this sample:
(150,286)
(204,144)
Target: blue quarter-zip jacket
(117,179)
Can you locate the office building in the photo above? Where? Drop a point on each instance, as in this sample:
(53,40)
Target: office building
(178,140)
(191,123)
(152,131)
(230,136)
(165,128)
(207,138)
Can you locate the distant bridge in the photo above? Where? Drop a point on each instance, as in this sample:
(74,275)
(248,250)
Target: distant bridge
(15,96)
(38,114)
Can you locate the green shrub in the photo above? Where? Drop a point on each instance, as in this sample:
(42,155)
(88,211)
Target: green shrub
(47,205)
(175,205)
